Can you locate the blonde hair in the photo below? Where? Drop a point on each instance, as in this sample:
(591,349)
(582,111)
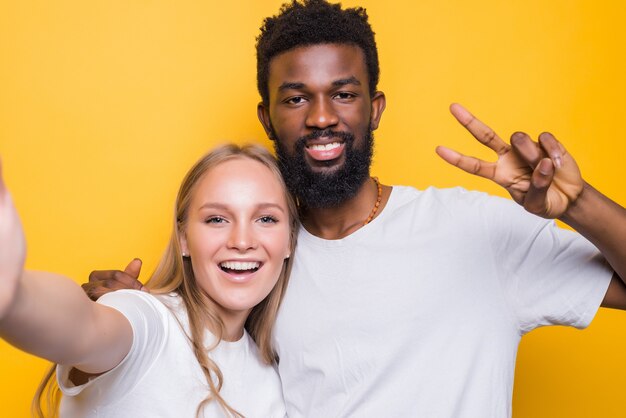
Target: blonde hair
(174,273)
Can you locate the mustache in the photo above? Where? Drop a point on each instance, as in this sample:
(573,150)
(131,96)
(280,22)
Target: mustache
(345,136)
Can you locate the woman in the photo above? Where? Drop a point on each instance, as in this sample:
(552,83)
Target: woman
(180,350)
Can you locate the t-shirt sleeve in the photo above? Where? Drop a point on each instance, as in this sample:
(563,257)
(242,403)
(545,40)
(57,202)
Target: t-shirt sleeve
(148,319)
(550,275)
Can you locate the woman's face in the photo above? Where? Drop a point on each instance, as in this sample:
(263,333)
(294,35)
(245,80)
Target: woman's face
(237,235)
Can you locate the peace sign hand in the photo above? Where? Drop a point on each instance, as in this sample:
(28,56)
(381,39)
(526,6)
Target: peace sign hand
(541,176)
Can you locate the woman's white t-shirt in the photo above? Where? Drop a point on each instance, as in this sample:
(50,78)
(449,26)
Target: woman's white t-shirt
(161,377)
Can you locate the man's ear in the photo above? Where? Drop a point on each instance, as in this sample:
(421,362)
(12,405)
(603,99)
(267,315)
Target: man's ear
(263,114)
(378,107)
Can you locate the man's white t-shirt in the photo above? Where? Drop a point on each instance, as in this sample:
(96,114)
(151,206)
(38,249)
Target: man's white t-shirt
(161,377)
(420,312)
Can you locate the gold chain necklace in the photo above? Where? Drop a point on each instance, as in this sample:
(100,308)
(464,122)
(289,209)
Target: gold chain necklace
(377,204)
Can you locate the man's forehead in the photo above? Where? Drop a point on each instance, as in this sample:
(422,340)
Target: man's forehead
(320,61)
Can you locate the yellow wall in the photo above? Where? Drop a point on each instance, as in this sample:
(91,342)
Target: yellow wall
(105,104)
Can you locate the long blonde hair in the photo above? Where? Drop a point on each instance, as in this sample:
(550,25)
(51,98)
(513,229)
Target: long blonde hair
(174,273)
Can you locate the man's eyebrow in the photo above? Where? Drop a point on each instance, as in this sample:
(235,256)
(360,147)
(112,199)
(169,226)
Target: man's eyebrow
(291,86)
(344,81)
(337,83)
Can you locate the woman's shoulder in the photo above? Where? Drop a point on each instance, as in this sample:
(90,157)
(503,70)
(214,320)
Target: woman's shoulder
(159,301)
(141,306)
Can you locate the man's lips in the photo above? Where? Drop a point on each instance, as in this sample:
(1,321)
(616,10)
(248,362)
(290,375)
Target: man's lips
(326,150)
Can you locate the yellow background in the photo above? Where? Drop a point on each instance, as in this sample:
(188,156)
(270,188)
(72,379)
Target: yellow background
(105,104)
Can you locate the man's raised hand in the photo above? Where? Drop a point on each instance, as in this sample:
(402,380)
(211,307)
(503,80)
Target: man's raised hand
(105,281)
(541,176)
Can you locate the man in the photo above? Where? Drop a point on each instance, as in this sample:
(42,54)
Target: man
(406,302)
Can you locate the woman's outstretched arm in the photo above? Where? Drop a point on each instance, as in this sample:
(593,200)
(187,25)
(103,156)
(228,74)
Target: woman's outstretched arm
(49,315)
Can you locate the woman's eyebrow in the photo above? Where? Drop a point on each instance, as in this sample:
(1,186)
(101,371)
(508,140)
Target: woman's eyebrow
(225,207)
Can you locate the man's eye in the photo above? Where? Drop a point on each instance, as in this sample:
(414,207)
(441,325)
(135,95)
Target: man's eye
(295,100)
(267,219)
(215,220)
(342,95)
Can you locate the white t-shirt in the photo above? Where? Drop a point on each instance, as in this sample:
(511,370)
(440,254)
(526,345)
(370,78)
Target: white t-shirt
(160,376)
(420,312)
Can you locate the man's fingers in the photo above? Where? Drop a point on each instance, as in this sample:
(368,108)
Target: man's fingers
(104,281)
(94,290)
(526,148)
(532,152)
(483,133)
(97,288)
(536,198)
(133,268)
(129,275)
(114,279)
(552,148)
(470,165)
(101,275)
(126,281)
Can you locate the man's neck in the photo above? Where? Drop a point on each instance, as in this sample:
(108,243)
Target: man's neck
(342,220)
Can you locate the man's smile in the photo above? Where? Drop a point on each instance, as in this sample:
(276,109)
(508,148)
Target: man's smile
(325,151)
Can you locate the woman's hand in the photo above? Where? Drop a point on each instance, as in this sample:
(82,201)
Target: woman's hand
(12,249)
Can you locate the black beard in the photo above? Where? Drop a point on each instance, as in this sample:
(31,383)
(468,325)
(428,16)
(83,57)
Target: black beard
(325,190)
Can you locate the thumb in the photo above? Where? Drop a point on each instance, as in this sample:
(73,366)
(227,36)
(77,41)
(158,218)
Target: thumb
(133,268)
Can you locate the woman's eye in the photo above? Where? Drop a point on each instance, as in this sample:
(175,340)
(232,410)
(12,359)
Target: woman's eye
(267,219)
(214,220)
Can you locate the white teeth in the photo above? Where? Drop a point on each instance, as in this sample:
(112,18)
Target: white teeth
(326,147)
(240,265)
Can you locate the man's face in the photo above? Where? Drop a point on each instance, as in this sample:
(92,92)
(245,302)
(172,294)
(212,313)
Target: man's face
(321,116)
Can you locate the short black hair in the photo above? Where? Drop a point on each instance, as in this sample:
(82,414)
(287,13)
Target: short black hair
(313,22)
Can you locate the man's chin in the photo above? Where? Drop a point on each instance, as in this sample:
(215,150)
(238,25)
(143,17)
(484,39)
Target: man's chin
(322,182)
(325,166)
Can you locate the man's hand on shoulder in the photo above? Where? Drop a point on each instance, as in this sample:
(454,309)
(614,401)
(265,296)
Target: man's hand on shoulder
(541,176)
(105,281)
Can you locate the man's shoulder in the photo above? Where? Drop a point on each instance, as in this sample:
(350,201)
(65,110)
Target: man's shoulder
(456,203)
(402,195)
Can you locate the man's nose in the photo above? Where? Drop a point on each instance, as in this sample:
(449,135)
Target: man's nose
(322,114)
